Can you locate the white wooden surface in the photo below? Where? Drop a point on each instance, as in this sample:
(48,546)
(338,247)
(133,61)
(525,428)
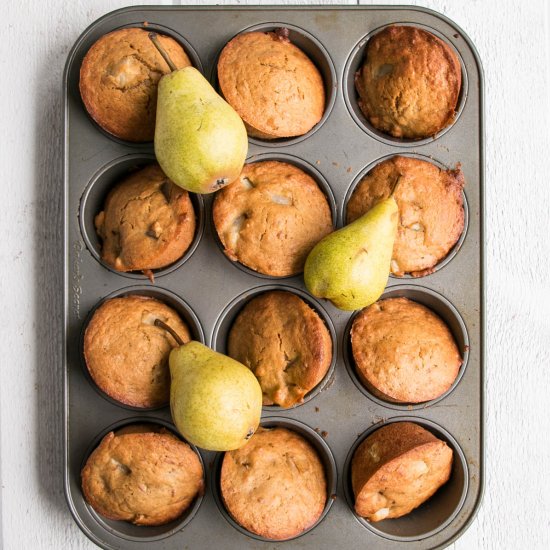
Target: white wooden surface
(512,37)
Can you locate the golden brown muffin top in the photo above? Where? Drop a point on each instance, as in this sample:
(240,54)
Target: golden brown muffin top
(403,351)
(271,217)
(147,222)
(409,82)
(118,81)
(431,210)
(285,344)
(272,84)
(127,355)
(396,469)
(146,478)
(275,485)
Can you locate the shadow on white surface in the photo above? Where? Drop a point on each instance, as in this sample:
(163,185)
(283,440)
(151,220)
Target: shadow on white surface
(48,275)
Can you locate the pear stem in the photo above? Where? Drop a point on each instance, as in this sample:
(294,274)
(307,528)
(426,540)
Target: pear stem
(153,36)
(395,186)
(170,330)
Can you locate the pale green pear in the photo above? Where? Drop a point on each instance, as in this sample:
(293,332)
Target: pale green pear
(200,141)
(216,402)
(350,267)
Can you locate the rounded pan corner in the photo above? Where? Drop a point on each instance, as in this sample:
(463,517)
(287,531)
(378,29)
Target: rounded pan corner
(77,519)
(438,15)
(473,513)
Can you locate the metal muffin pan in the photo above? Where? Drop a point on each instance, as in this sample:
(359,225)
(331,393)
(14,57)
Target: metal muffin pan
(207,285)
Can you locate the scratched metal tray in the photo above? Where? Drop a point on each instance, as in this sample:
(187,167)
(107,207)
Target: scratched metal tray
(208,289)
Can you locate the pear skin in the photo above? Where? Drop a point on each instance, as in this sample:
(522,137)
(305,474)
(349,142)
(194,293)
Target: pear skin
(216,402)
(200,141)
(350,267)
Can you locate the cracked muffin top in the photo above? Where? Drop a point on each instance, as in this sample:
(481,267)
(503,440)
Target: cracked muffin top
(275,485)
(431,210)
(409,82)
(147,222)
(271,217)
(143,475)
(272,84)
(403,351)
(285,344)
(118,81)
(127,355)
(397,468)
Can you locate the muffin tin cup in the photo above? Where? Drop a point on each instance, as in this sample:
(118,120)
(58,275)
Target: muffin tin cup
(320,57)
(311,171)
(170,299)
(324,452)
(93,199)
(439,305)
(231,311)
(453,251)
(353,64)
(151,27)
(434,514)
(142,533)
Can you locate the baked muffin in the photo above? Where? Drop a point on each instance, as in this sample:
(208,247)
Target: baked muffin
(271,217)
(146,477)
(396,469)
(403,351)
(127,355)
(285,344)
(272,84)
(409,82)
(275,485)
(431,210)
(118,81)
(147,222)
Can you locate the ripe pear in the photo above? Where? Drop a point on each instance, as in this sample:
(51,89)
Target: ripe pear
(351,266)
(216,402)
(200,140)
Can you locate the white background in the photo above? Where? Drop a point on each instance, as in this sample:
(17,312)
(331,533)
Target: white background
(512,37)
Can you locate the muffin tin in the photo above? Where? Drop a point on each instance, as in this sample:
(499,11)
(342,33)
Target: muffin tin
(209,289)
